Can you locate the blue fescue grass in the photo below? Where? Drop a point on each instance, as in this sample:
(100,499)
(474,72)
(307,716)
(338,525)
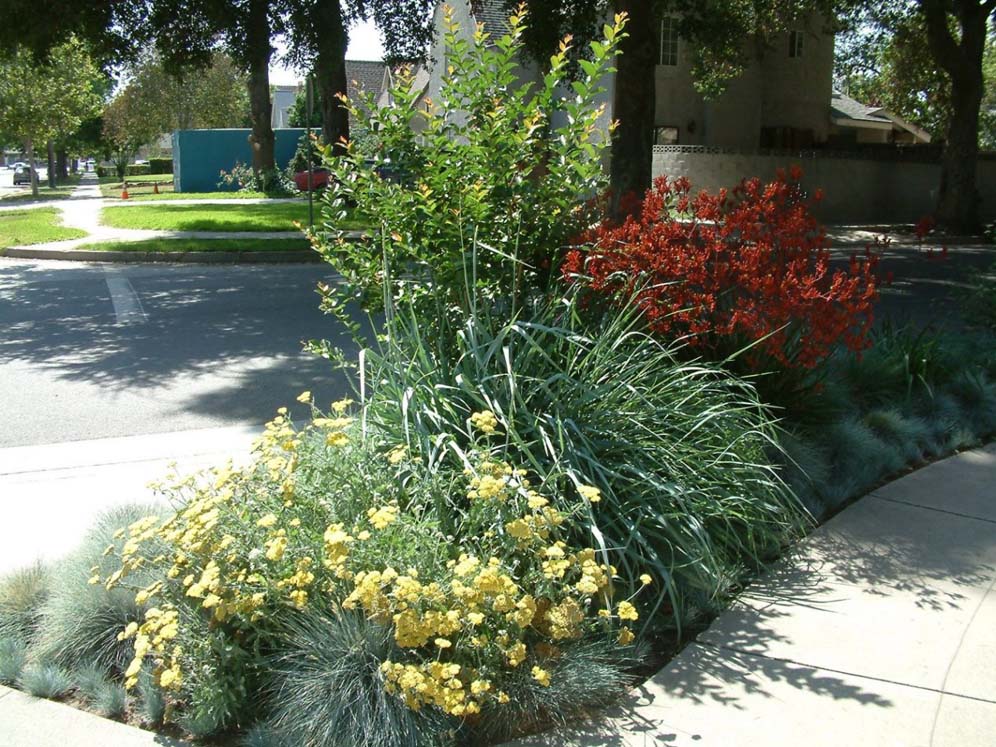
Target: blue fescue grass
(13,657)
(23,592)
(45,680)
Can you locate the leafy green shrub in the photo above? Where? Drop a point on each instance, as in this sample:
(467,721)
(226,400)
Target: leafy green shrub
(22,594)
(137,169)
(13,657)
(103,171)
(492,161)
(244,178)
(81,620)
(160,165)
(45,680)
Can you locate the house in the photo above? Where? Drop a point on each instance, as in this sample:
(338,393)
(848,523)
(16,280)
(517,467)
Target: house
(367,75)
(853,123)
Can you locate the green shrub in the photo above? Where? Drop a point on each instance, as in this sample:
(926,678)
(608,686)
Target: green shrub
(490,161)
(22,594)
(13,657)
(45,680)
(81,620)
(137,169)
(103,171)
(160,165)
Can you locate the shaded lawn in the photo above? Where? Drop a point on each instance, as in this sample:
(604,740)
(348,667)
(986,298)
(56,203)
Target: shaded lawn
(38,226)
(202,245)
(258,217)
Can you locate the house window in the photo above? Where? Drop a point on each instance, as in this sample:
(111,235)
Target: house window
(666,135)
(795,44)
(669,41)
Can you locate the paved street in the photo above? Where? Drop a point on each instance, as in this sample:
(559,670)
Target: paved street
(92,351)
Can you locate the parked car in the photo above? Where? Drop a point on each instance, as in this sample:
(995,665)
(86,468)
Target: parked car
(22,174)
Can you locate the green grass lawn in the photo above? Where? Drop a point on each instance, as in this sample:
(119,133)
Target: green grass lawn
(64,190)
(38,226)
(273,216)
(202,245)
(257,217)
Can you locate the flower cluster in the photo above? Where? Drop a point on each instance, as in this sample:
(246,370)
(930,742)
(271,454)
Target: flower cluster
(740,267)
(502,593)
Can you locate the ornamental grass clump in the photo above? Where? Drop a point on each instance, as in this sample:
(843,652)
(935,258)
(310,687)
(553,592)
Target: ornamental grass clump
(23,593)
(80,621)
(663,463)
(445,588)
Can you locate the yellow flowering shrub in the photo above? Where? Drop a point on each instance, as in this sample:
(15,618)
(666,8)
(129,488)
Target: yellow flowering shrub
(471,596)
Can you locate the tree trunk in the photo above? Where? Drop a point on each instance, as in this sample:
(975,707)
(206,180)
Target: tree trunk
(961,57)
(62,163)
(330,74)
(634,103)
(50,147)
(258,52)
(29,146)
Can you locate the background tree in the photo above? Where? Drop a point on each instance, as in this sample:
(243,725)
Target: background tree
(318,34)
(928,59)
(39,100)
(297,115)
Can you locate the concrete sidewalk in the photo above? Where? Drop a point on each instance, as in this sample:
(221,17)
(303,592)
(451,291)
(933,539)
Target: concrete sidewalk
(879,630)
(52,493)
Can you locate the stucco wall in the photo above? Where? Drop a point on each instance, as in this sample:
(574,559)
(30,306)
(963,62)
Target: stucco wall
(796,91)
(857,190)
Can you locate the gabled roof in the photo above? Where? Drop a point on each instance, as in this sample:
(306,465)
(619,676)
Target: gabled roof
(844,107)
(847,112)
(367,75)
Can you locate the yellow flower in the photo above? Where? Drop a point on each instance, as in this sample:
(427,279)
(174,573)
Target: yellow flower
(267,521)
(382,517)
(541,676)
(485,421)
(645,579)
(341,406)
(300,598)
(443,643)
(397,454)
(337,439)
(594,495)
(625,636)
(627,611)
(275,548)
(304,397)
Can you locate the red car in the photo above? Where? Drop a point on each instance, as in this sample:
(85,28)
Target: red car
(319,179)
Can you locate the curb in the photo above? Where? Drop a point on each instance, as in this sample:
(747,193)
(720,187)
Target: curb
(91,255)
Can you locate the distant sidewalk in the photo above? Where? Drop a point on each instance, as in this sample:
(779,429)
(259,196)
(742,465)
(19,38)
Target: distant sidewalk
(878,630)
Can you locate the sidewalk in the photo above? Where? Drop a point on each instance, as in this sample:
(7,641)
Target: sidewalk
(879,630)
(52,493)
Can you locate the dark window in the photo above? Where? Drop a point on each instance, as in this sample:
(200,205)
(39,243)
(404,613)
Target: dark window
(666,135)
(795,44)
(669,41)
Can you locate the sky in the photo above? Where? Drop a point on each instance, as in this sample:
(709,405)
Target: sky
(364,44)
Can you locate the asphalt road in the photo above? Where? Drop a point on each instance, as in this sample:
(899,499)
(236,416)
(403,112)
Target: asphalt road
(92,351)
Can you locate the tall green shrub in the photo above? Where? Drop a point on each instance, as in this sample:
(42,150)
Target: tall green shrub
(503,159)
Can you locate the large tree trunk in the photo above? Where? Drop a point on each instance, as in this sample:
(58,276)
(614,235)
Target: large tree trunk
(634,102)
(330,73)
(958,202)
(62,163)
(258,52)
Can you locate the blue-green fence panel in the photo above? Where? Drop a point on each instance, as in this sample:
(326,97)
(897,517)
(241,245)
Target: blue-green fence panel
(199,156)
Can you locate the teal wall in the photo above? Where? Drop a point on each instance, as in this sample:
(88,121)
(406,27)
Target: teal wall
(199,156)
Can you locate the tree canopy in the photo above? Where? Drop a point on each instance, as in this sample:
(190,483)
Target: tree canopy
(41,100)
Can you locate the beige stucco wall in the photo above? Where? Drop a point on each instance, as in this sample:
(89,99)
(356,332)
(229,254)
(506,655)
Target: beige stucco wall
(774,90)
(856,190)
(795,91)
